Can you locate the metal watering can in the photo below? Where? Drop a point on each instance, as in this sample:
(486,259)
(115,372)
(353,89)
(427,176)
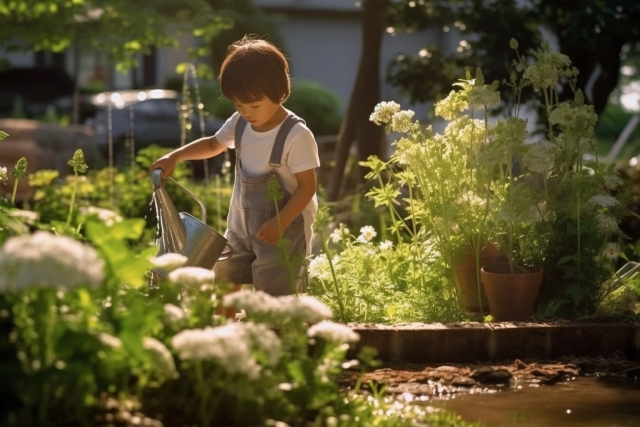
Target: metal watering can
(183,233)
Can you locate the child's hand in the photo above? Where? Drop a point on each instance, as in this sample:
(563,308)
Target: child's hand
(166,163)
(270,231)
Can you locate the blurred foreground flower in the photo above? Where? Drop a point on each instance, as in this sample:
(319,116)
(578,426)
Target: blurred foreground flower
(279,309)
(43,259)
(333,332)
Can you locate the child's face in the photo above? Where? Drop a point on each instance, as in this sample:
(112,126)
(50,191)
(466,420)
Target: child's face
(263,115)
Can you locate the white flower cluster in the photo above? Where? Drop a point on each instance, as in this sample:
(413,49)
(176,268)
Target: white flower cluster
(174,314)
(401,121)
(192,276)
(451,107)
(107,216)
(607,224)
(384,112)
(3,175)
(230,346)
(43,259)
(340,233)
(484,96)
(169,261)
(333,332)
(279,309)
(319,267)
(612,181)
(611,251)
(386,245)
(367,233)
(540,157)
(603,200)
(160,358)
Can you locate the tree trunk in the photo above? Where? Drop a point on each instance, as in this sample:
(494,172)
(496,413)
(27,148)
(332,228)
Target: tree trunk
(364,97)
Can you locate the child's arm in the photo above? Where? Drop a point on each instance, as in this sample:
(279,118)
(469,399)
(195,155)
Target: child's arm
(270,232)
(199,149)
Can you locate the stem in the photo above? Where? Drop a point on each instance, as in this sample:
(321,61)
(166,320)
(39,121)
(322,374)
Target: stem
(333,274)
(73,197)
(15,190)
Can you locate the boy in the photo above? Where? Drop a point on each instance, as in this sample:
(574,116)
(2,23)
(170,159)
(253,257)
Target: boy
(271,142)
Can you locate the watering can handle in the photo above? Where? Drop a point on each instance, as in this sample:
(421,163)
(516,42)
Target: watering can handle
(156,179)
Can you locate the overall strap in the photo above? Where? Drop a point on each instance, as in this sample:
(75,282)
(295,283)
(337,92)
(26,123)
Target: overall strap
(241,124)
(278,145)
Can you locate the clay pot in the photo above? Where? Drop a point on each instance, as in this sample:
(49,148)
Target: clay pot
(466,273)
(512,296)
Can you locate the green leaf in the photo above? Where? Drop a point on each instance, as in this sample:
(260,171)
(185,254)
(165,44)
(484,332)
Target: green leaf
(3,135)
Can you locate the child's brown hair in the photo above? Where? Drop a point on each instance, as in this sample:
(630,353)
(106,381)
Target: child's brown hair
(255,69)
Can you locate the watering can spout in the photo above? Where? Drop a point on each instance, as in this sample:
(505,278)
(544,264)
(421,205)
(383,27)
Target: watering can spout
(184,234)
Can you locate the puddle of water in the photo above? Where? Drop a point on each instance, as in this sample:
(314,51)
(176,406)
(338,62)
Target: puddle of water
(585,401)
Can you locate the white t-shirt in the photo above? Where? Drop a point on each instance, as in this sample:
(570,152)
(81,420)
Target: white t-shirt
(300,154)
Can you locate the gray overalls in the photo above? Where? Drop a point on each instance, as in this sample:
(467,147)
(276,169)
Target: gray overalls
(254,261)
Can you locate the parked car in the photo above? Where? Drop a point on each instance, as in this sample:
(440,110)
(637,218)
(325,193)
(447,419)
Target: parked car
(143,118)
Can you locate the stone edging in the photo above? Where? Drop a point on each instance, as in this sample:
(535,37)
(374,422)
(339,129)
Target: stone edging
(482,342)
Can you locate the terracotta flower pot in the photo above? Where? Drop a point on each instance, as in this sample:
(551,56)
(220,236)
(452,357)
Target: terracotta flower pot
(466,274)
(511,296)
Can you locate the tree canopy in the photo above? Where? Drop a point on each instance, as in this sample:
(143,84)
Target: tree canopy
(595,34)
(120,28)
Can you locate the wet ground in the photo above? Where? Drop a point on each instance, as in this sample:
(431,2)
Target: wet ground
(568,392)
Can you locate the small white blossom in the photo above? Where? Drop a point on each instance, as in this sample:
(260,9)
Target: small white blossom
(28,217)
(174,314)
(333,332)
(604,201)
(367,233)
(336,236)
(109,340)
(386,245)
(611,251)
(43,259)
(384,111)
(169,261)
(3,175)
(161,359)
(107,216)
(192,276)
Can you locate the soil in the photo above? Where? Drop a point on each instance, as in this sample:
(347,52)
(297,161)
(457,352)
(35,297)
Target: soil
(439,379)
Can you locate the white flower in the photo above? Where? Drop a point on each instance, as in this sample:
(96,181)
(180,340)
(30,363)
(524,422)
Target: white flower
(384,111)
(367,233)
(401,121)
(107,216)
(279,309)
(612,181)
(3,175)
(333,332)
(607,224)
(169,261)
(264,340)
(192,276)
(160,357)
(602,200)
(319,267)
(611,250)
(43,259)
(109,340)
(174,314)
(227,345)
(386,245)
(28,217)
(336,235)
